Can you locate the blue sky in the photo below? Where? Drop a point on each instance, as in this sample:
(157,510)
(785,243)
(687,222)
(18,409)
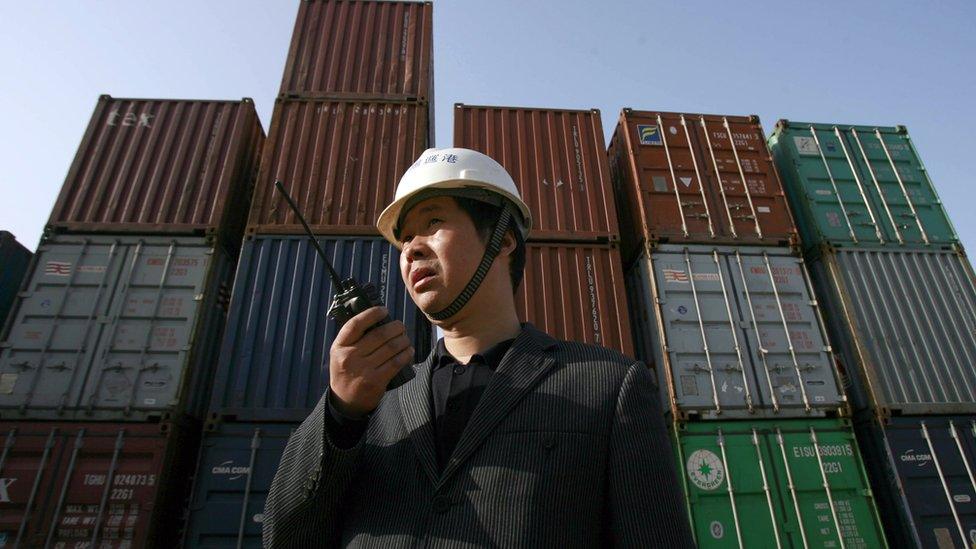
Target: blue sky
(905,63)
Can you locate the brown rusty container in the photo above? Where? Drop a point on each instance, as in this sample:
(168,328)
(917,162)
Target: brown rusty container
(700,179)
(162,166)
(107,485)
(340,160)
(576,293)
(557,158)
(361,49)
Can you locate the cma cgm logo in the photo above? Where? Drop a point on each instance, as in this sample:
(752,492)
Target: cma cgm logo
(4,492)
(920,459)
(228,468)
(649,134)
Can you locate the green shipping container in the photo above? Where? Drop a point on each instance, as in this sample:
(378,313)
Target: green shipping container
(859,186)
(793,483)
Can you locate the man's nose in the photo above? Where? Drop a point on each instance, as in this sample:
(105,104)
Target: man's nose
(414,249)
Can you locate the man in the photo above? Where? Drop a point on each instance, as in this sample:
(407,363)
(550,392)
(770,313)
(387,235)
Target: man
(505,436)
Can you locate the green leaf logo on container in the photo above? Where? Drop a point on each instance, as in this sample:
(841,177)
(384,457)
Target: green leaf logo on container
(705,469)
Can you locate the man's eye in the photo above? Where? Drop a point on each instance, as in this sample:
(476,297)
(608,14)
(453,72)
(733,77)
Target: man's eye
(433,220)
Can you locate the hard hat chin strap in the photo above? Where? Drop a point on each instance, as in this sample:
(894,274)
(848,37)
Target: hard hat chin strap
(491,252)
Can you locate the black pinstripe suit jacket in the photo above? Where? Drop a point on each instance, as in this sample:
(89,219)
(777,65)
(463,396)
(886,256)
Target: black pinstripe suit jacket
(566,448)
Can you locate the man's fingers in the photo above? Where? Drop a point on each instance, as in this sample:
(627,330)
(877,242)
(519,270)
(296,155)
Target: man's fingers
(401,360)
(378,337)
(357,326)
(388,349)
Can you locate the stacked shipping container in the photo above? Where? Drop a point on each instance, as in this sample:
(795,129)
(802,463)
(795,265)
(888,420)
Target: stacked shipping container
(14,260)
(573,285)
(352,114)
(901,304)
(723,307)
(107,359)
(118,322)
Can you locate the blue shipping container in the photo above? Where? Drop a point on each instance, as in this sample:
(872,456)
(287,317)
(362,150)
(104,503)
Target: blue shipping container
(14,259)
(922,471)
(237,464)
(274,360)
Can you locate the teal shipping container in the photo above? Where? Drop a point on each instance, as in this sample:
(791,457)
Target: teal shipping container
(859,186)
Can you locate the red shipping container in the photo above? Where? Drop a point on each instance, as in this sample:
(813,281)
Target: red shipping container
(576,293)
(558,161)
(692,178)
(106,485)
(162,166)
(339,160)
(361,49)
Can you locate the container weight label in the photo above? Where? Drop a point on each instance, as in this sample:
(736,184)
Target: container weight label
(7,382)
(806,145)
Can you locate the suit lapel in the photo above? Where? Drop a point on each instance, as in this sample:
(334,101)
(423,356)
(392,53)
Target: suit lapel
(415,407)
(520,370)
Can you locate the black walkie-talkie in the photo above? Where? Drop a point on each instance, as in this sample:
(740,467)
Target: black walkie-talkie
(351,298)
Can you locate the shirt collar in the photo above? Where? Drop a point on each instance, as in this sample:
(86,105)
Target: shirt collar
(491,357)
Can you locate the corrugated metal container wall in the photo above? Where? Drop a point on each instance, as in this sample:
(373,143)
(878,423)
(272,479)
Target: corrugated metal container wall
(905,325)
(576,293)
(163,166)
(860,186)
(237,464)
(922,469)
(341,162)
(106,485)
(796,483)
(115,328)
(734,332)
(14,260)
(558,160)
(274,360)
(665,167)
(361,49)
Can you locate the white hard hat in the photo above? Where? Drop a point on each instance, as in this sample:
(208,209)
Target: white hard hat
(455,171)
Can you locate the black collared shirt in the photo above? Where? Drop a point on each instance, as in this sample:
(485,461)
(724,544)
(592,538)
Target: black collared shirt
(456,389)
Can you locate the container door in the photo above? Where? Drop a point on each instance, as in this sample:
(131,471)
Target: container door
(143,358)
(794,367)
(823,486)
(838,199)
(237,466)
(53,336)
(935,461)
(649,336)
(725,470)
(747,193)
(704,343)
(27,462)
(910,210)
(108,485)
(670,177)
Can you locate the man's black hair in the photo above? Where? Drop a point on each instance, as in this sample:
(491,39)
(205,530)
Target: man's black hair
(484,216)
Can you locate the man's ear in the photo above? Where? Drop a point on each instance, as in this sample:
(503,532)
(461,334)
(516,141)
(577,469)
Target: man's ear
(508,243)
